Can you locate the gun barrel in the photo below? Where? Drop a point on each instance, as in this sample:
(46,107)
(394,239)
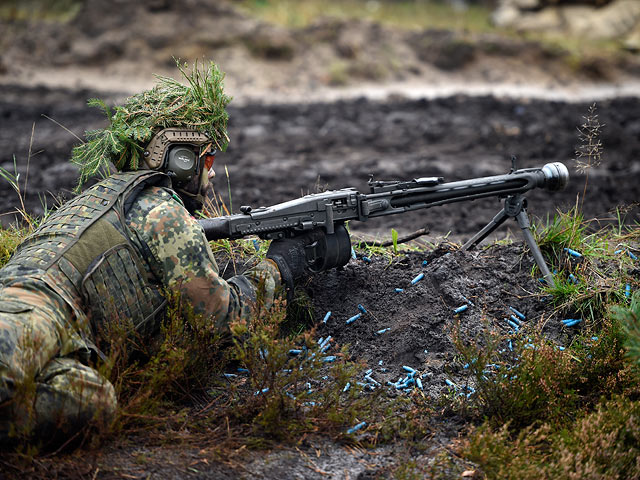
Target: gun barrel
(553,177)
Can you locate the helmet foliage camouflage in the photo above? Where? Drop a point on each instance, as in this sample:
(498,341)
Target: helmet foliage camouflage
(200,105)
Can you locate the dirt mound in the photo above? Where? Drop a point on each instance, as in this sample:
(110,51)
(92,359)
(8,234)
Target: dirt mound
(411,324)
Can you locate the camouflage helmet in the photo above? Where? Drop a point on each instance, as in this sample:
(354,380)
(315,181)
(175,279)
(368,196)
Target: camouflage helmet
(185,155)
(197,107)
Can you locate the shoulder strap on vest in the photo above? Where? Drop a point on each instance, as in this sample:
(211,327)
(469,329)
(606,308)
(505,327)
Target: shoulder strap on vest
(63,228)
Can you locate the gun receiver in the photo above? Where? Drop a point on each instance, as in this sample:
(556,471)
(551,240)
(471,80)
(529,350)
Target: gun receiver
(330,210)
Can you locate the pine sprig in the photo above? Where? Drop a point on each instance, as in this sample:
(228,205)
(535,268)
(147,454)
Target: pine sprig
(200,104)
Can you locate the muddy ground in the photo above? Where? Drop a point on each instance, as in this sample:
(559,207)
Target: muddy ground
(281,151)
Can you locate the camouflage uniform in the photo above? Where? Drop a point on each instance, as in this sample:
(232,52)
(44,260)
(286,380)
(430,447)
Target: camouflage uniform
(86,269)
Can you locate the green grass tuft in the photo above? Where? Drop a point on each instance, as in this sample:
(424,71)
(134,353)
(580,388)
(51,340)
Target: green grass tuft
(405,14)
(10,238)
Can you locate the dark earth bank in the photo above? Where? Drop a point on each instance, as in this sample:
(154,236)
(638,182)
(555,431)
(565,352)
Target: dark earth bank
(279,152)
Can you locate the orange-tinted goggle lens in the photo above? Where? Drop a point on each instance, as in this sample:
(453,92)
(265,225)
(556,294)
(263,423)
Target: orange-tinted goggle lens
(208,161)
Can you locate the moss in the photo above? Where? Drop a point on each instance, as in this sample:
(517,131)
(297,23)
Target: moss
(10,238)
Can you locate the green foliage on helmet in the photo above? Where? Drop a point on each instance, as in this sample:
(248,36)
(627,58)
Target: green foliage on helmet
(199,104)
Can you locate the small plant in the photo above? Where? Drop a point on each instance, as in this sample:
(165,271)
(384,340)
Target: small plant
(394,239)
(602,444)
(535,380)
(589,152)
(565,230)
(629,317)
(10,238)
(590,269)
(151,375)
(532,382)
(13,179)
(291,394)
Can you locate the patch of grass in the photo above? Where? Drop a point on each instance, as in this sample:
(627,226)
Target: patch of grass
(154,376)
(10,238)
(586,284)
(564,230)
(524,379)
(13,180)
(408,14)
(287,395)
(550,411)
(520,386)
(45,10)
(629,317)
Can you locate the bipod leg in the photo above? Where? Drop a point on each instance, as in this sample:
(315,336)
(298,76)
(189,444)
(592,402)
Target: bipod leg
(490,227)
(515,207)
(523,221)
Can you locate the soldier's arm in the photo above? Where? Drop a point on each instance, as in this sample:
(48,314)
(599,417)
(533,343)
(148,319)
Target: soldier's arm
(182,259)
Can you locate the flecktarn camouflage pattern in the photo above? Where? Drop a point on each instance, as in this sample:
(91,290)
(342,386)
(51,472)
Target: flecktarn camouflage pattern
(41,389)
(103,259)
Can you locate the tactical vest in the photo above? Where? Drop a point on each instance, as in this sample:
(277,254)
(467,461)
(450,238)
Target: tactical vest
(87,254)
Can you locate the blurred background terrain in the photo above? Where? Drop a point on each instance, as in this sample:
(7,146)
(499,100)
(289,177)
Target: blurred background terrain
(288,50)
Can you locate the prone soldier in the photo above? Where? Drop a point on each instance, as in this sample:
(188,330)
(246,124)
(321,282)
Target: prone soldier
(109,256)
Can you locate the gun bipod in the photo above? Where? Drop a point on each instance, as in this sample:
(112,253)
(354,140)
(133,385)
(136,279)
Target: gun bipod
(515,206)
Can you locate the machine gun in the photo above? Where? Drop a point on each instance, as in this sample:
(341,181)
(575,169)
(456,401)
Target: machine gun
(331,209)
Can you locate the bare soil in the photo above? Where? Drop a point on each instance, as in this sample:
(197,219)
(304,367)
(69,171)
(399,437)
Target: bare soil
(281,151)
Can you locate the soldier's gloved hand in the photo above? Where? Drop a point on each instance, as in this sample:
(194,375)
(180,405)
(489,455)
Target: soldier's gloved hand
(289,255)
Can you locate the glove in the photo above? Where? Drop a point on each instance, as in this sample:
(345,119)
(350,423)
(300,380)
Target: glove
(290,256)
